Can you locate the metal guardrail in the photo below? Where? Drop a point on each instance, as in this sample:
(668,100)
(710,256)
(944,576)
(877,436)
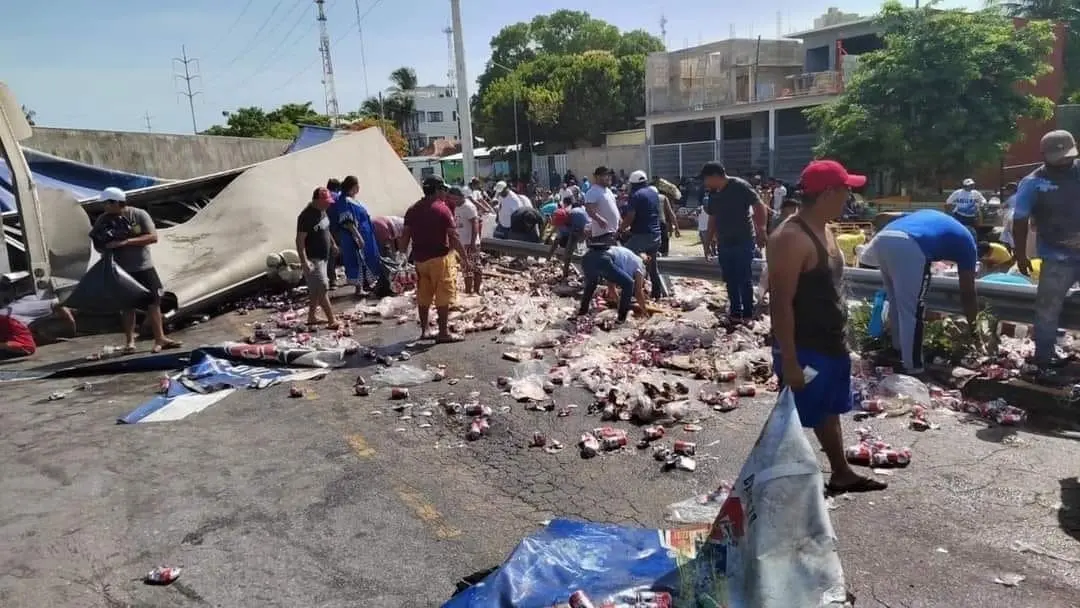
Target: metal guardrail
(1014,303)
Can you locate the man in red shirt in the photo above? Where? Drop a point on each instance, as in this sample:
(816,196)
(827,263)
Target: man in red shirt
(430,227)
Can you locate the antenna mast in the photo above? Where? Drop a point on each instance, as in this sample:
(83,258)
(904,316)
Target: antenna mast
(450,76)
(663,29)
(329,89)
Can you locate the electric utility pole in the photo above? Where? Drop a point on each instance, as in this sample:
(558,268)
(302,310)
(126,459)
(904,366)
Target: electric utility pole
(147,117)
(187,77)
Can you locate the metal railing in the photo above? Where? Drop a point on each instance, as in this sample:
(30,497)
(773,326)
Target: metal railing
(1014,303)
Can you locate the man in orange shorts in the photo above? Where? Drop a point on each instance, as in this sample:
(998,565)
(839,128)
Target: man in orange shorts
(432,231)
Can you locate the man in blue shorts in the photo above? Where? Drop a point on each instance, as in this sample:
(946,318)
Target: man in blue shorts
(809,314)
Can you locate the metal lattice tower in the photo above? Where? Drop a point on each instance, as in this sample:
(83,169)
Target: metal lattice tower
(329,89)
(663,29)
(451,78)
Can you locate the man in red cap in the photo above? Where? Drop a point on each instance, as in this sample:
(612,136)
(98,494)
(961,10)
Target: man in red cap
(809,314)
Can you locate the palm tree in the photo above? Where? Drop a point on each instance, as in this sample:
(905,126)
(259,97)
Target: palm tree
(404,80)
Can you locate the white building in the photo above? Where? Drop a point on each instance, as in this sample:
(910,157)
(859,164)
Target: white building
(435,116)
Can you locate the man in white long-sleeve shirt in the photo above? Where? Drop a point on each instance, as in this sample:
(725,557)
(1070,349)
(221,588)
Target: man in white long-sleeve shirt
(508,202)
(965,203)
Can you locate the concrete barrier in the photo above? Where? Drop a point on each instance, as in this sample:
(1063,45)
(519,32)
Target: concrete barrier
(154,154)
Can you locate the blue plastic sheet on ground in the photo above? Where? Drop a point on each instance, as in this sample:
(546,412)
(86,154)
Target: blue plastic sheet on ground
(207,381)
(604,560)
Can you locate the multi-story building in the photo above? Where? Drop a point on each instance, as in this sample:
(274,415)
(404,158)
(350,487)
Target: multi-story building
(435,116)
(742,100)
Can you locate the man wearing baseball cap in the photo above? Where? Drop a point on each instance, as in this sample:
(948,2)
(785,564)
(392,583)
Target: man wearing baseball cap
(642,219)
(507,202)
(1050,195)
(805,270)
(315,246)
(965,203)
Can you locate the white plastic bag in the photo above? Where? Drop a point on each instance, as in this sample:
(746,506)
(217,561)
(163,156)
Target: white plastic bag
(780,543)
(528,382)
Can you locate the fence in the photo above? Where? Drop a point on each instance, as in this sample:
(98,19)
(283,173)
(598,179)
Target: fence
(740,156)
(583,161)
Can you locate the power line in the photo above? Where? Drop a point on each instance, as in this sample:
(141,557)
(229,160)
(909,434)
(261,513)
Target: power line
(232,27)
(255,38)
(282,45)
(359,21)
(188,77)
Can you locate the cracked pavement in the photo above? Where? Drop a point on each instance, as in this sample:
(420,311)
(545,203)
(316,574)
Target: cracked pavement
(319,502)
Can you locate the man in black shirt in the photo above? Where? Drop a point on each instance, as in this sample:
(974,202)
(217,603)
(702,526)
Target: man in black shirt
(314,246)
(525,225)
(736,223)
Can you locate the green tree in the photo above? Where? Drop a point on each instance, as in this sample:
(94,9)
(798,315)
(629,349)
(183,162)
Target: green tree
(30,115)
(389,131)
(940,99)
(1065,11)
(283,122)
(573,77)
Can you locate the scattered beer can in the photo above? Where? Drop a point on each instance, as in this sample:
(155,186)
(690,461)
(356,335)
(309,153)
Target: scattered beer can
(361,390)
(579,599)
(475,409)
(684,448)
(399,392)
(590,445)
(162,576)
(296,392)
(726,375)
(746,390)
(652,433)
(873,406)
(613,443)
(477,429)
(538,440)
(662,453)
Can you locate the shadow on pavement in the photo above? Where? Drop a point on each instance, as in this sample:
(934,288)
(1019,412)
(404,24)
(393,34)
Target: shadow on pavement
(1059,429)
(1069,512)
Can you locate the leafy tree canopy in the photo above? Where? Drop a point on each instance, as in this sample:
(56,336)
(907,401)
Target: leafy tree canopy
(1065,11)
(285,121)
(572,76)
(940,99)
(397,106)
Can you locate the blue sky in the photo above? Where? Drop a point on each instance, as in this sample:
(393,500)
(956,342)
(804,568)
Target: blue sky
(105,64)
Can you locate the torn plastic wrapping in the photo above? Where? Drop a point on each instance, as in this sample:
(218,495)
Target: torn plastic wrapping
(402,375)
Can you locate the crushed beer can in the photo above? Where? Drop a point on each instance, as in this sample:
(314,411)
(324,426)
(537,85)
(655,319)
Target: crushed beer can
(727,375)
(746,390)
(162,576)
(475,409)
(590,445)
(399,392)
(477,429)
(579,599)
(538,440)
(296,392)
(652,433)
(872,406)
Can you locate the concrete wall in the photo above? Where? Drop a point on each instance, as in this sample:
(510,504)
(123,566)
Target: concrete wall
(158,155)
(582,161)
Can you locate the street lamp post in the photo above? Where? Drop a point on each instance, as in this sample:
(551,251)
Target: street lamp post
(517,139)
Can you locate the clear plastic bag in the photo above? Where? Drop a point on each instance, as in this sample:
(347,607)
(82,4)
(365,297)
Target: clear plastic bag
(903,389)
(394,306)
(528,381)
(701,509)
(402,375)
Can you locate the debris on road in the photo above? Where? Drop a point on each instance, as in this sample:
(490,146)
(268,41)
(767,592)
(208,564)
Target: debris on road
(871,450)
(162,575)
(1010,579)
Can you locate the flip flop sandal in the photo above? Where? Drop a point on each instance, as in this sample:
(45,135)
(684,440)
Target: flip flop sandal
(865,484)
(171,345)
(451,339)
(127,350)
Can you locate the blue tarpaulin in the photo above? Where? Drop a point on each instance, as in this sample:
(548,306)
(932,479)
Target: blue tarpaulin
(608,562)
(310,136)
(83,181)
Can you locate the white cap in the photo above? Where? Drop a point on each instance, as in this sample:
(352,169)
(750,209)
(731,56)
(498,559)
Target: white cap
(638,177)
(500,186)
(968,182)
(112,194)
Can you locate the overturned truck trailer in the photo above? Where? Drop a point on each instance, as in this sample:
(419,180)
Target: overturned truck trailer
(221,244)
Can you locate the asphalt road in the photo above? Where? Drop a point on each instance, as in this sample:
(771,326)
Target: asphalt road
(320,502)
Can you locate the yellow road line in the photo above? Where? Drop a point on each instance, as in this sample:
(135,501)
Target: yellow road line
(427,513)
(359,445)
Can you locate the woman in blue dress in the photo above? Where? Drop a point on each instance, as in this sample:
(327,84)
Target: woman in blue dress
(356,238)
